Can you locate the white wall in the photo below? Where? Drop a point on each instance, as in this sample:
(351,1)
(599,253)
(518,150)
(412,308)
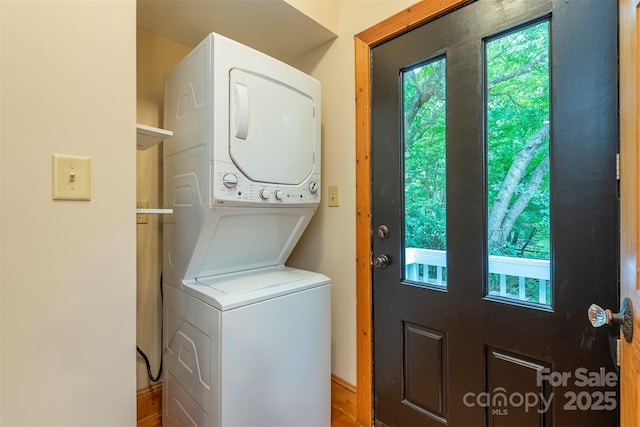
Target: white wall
(324,12)
(329,245)
(67,284)
(1,92)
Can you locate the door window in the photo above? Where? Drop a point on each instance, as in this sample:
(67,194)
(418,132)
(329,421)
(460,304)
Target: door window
(425,177)
(517,132)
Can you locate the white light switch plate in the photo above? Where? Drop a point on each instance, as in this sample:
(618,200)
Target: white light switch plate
(334,196)
(71,177)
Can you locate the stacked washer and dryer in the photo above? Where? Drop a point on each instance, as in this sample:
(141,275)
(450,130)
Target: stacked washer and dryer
(247,339)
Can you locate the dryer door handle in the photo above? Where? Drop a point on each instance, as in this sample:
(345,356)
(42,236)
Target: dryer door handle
(242,111)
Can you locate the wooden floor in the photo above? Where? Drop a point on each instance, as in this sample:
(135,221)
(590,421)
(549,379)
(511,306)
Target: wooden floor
(338,419)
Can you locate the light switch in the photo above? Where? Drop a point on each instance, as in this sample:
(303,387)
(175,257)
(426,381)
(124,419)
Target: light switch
(71,177)
(334,196)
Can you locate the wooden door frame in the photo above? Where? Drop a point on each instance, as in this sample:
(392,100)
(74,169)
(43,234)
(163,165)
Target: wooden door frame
(397,24)
(629,215)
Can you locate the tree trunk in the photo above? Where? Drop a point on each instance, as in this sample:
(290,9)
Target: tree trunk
(498,227)
(523,200)
(425,90)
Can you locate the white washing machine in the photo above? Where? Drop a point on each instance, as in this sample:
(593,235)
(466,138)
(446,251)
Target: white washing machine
(247,339)
(248,349)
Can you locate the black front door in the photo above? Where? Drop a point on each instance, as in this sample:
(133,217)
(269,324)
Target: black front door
(494,192)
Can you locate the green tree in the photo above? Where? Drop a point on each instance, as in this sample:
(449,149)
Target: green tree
(517,85)
(518,143)
(425,161)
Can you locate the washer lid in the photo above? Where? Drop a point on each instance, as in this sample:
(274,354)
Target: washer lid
(271,130)
(228,291)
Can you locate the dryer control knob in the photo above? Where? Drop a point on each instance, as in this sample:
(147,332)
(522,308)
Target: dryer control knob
(279,195)
(229,180)
(313,187)
(265,194)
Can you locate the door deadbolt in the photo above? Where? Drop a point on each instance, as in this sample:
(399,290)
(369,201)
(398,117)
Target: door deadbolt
(382,231)
(381,261)
(600,317)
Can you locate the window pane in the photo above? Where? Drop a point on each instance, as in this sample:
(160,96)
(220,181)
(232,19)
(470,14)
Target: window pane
(518,226)
(425,173)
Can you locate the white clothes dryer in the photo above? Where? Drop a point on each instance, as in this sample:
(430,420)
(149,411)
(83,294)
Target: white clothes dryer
(242,170)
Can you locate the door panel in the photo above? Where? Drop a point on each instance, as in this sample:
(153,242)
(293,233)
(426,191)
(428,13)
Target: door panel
(452,354)
(510,376)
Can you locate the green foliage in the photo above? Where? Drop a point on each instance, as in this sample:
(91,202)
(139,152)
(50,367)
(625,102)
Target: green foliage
(517,78)
(425,159)
(516,108)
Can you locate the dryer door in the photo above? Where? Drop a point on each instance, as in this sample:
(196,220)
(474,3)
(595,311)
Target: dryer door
(271,129)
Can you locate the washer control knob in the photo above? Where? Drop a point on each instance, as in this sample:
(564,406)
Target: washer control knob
(279,195)
(265,194)
(313,187)
(229,180)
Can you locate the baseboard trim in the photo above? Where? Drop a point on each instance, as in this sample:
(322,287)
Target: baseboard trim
(343,396)
(149,405)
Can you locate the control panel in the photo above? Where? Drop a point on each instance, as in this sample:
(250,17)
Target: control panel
(229,185)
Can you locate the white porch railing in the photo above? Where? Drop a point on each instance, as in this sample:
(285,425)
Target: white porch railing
(429,266)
